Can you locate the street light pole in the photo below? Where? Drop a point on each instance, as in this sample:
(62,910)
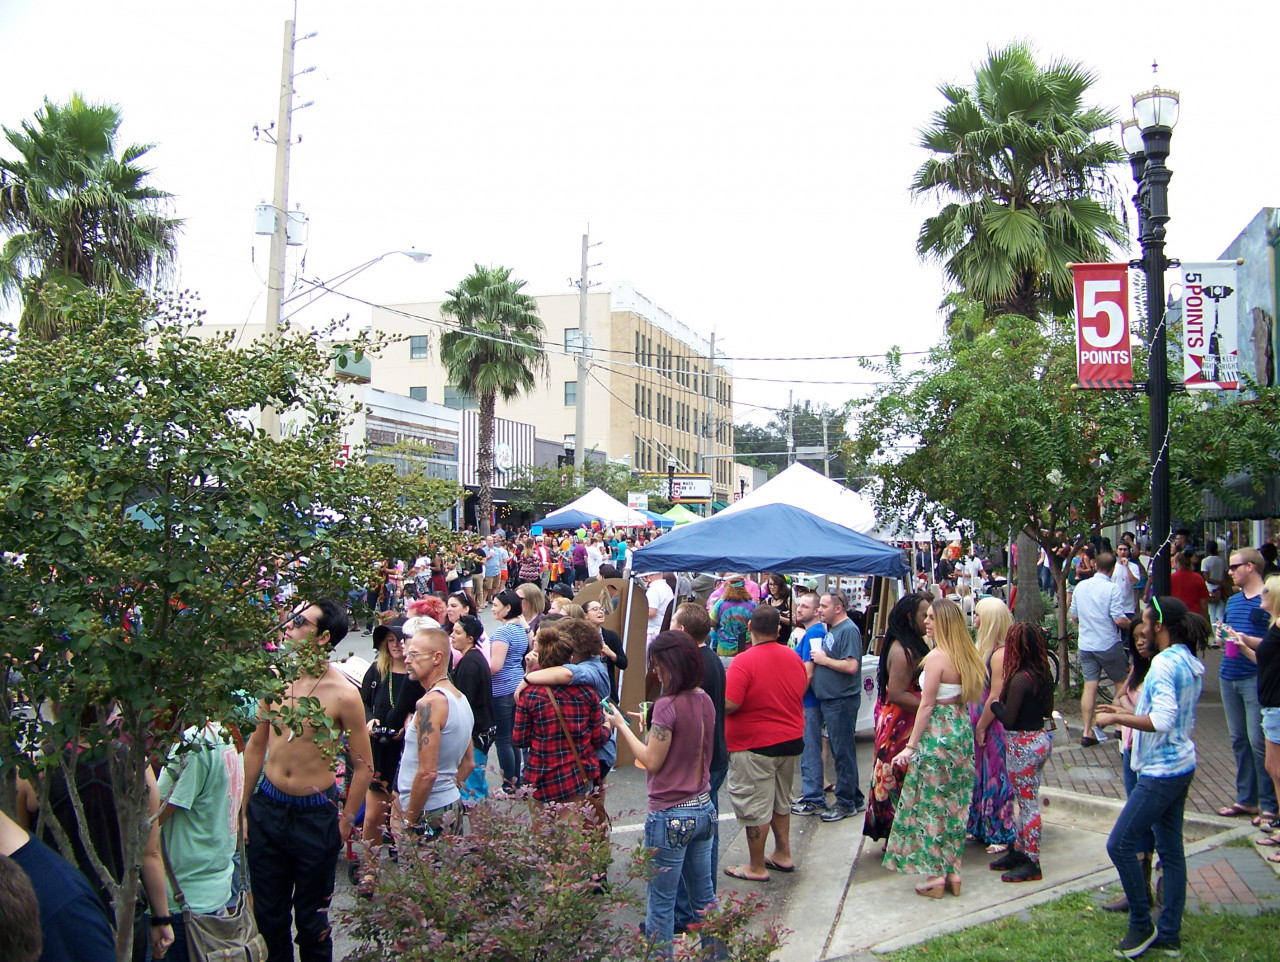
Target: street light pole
(1155,113)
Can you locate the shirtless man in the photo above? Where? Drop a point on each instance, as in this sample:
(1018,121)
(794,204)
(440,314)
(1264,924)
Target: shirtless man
(293,825)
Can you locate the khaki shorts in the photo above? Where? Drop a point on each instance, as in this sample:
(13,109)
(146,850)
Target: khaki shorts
(491,583)
(760,786)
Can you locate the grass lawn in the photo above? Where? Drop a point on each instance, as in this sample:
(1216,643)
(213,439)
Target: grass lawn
(1075,927)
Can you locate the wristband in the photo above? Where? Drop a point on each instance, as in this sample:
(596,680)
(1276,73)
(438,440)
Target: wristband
(158,920)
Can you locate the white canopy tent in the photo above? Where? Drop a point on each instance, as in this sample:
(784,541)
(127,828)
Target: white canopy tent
(595,505)
(805,488)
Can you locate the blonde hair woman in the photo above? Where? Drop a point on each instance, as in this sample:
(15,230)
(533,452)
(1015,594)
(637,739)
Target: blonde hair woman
(927,837)
(991,810)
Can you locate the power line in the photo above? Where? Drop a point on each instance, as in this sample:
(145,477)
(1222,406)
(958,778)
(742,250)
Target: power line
(619,367)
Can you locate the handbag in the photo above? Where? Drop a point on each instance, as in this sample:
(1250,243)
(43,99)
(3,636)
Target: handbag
(233,937)
(595,792)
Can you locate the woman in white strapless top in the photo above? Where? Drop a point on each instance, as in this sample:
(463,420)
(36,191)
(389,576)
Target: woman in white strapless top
(928,830)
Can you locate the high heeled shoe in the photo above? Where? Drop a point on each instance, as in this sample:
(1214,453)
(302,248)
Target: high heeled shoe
(933,890)
(952,884)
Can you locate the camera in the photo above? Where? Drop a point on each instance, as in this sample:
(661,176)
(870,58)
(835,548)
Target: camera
(382,734)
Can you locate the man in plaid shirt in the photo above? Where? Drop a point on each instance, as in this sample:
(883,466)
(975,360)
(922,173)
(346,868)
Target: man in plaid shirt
(550,769)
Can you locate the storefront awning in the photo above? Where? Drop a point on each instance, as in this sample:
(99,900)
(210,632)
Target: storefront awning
(1248,504)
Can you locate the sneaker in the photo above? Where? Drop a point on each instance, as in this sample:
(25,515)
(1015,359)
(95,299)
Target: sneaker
(1010,859)
(1028,871)
(837,812)
(1171,948)
(1135,943)
(808,808)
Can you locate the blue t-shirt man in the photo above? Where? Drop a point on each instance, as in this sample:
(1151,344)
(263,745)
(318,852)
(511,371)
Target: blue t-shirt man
(1246,616)
(805,651)
(73,921)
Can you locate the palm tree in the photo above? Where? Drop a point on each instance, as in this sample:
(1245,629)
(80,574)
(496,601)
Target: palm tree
(495,351)
(76,215)
(1026,189)
(1025,183)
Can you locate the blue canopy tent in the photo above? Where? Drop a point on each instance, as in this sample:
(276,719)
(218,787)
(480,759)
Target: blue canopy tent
(659,521)
(771,537)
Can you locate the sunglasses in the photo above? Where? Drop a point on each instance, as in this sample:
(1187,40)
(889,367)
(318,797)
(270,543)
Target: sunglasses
(1238,564)
(298,620)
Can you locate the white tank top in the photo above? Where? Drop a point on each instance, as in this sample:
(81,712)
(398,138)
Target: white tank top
(455,742)
(945,690)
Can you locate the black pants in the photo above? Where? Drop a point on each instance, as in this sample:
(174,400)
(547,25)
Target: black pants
(293,855)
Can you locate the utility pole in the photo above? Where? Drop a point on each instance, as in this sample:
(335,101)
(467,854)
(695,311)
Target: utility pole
(580,405)
(791,428)
(707,420)
(826,451)
(280,203)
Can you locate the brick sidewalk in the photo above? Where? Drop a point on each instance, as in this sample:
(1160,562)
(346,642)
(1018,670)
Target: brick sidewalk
(1096,771)
(1226,879)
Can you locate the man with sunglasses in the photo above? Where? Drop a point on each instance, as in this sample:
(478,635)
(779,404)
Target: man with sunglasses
(294,818)
(1238,681)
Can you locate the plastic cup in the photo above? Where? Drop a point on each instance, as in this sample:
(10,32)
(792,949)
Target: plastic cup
(646,715)
(815,645)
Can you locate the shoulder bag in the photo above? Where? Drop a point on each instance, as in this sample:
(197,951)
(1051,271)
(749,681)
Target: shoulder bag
(233,937)
(595,792)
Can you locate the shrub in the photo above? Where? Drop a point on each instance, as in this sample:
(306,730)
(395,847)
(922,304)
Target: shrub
(527,882)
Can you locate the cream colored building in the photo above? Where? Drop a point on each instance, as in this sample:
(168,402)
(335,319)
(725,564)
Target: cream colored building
(650,385)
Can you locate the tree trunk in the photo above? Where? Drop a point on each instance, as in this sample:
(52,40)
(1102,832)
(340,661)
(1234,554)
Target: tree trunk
(1029,606)
(1064,655)
(484,462)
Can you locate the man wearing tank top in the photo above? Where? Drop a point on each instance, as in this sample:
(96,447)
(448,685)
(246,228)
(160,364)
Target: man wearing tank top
(437,757)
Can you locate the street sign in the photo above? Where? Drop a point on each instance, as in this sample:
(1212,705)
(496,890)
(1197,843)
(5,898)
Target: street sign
(1103,355)
(811,451)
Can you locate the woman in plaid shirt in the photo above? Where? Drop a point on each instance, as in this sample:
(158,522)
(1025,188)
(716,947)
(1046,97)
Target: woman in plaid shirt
(550,769)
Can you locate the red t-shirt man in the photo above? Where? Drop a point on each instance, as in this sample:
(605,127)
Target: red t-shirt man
(767,683)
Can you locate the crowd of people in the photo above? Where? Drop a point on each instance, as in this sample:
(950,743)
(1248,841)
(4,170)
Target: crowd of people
(751,683)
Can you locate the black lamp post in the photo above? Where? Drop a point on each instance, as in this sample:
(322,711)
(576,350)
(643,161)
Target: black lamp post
(1147,138)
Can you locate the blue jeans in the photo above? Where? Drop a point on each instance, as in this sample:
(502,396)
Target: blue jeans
(504,715)
(1155,805)
(684,910)
(1244,721)
(681,838)
(840,715)
(1147,844)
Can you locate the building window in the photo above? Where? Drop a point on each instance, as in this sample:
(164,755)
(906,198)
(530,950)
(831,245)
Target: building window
(572,340)
(570,393)
(637,400)
(460,400)
(419,347)
(418,393)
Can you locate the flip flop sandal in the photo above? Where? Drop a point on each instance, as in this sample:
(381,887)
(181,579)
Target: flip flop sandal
(1267,841)
(771,864)
(997,849)
(1273,858)
(735,871)
(1265,819)
(1235,811)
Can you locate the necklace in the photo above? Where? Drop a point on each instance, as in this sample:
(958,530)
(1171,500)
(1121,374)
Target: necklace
(311,692)
(391,688)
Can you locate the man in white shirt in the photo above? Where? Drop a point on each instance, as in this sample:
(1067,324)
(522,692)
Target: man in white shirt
(1099,605)
(659,596)
(595,558)
(1127,574)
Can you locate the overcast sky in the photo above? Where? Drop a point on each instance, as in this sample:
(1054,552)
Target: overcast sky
(746,164)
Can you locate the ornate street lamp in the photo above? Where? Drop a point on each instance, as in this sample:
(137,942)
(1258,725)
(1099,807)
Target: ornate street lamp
(1147,138)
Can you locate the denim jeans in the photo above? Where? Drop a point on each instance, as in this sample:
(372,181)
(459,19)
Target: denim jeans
(1244,721)
(293,855)
(504,715)
(1147,844)
(684,910)
(681,838)
(1155,805)
(840,715)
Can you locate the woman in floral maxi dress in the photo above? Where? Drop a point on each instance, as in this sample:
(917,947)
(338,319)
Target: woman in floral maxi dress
(900,657)
(928,829)
(991,810)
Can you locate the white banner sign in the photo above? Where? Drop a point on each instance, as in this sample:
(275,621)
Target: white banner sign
(1209,323)
(637,501)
